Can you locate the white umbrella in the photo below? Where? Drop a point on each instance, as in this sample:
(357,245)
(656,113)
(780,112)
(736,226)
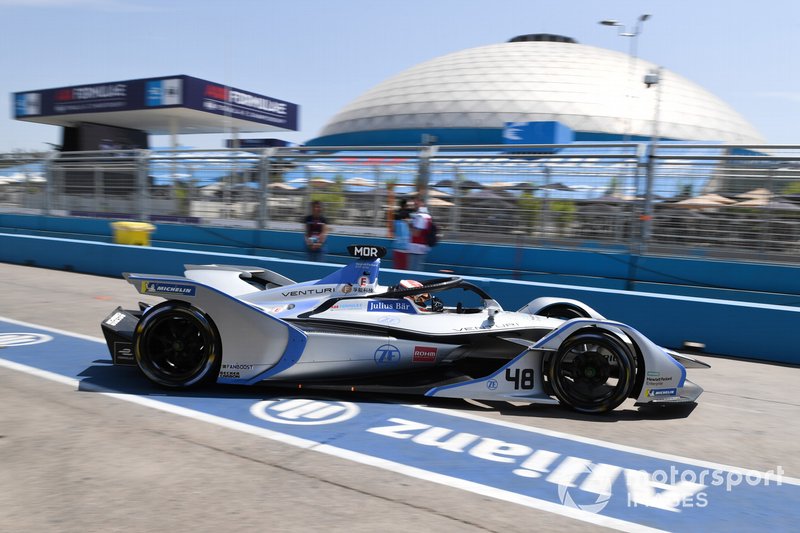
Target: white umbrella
(438,194)
(211,190)
(282,186)
(716,198)
(699,202)
(501,185)
(756,193)
(359,182)
(769,204)
(438,202)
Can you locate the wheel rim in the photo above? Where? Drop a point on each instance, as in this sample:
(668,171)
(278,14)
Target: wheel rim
(591,375)
(177,346)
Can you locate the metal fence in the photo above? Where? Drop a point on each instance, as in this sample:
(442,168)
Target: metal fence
(679,199)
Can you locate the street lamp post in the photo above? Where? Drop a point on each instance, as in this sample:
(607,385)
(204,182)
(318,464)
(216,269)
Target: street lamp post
(652,78)
(637,248)
(632,58)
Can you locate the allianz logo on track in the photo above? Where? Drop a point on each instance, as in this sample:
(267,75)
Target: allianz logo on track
(304,412)
(9,340)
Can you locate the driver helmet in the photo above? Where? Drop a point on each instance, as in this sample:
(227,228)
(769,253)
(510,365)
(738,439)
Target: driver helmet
(418,299)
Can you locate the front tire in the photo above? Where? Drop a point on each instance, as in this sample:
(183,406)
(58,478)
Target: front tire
(592,372)
(177,345)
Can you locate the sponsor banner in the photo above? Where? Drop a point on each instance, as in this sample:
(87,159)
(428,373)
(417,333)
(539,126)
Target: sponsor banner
(343,305)
(123,353)
(424,354)
(237,103)
(27,104)
(186,91)
(390,306)
(656,393)
(161,288)
(163,92)
(387,354)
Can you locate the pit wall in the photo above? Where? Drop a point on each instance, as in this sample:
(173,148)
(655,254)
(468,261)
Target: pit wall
(737,329)
(591,267)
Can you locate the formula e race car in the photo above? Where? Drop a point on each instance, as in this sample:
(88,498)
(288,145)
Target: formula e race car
(442,337)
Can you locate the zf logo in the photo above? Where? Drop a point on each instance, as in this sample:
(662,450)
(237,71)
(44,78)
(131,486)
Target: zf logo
(303,412)
(387,354)
(9,340)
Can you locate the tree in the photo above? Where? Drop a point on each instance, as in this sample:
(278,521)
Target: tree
(530,208)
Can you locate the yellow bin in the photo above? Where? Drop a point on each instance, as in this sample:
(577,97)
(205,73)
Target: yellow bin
(137,233)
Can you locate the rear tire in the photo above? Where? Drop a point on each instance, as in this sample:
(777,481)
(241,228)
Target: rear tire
(592,372)
(177,345)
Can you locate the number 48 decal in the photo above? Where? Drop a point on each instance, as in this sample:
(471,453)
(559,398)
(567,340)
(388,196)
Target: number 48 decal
(522,378)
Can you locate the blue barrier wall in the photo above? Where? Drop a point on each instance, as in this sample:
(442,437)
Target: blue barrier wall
(738,329)
(741,281)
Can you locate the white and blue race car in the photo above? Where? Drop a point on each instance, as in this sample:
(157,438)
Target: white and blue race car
(442,337)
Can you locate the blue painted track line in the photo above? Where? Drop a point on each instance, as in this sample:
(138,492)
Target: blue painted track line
(598,482)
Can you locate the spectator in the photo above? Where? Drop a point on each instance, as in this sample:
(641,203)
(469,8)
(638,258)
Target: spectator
(316,232)
(403,209)
(420,225)
(402,237)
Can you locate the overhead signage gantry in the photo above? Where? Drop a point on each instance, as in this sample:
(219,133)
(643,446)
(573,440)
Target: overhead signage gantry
(120,115)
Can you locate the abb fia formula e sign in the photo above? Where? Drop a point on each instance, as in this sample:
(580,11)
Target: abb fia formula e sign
(229,101)
(153,93)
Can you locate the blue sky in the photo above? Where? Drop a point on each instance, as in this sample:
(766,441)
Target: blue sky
(321,54)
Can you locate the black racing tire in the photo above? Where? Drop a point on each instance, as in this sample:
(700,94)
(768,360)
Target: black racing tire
(177,345)
(592,372)
(563,311)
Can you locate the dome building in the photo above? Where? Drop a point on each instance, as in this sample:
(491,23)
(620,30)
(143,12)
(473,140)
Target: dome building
(468,97)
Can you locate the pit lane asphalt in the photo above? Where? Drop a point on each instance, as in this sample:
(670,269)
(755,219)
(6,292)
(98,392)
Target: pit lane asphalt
(75,461)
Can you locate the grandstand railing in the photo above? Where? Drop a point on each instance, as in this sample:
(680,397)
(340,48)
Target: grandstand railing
(706,200)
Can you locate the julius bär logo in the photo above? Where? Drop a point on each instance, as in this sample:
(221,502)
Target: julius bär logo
(390,306)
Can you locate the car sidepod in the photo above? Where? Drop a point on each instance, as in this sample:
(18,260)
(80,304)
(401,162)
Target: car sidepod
(254,344)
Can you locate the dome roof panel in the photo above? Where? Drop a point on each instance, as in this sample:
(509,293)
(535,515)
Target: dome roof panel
(586,88)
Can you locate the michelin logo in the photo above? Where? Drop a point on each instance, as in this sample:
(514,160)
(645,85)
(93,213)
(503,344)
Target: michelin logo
(656,393)
(155,287)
